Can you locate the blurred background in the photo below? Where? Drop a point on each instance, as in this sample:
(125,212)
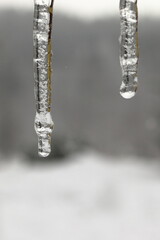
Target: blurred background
(102,180)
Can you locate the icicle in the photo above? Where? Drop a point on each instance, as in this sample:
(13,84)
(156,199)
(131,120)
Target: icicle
(43,11)
(129,47)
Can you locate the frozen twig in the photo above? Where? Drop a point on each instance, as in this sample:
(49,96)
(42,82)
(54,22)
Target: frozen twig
(43,12)
(129,52)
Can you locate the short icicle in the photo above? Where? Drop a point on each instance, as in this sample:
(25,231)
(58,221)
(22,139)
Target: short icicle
(129,52)
(42,28)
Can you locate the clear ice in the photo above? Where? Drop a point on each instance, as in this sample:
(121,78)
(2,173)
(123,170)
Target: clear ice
(129,52)
(42,54)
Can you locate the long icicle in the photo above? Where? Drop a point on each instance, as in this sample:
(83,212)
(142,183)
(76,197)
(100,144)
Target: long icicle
(42,28)
(129,52)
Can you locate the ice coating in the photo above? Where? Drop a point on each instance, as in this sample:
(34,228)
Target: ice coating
(129,52)
(43,11)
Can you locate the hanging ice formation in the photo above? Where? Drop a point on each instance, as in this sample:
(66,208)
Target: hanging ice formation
(129,47)
(42,27)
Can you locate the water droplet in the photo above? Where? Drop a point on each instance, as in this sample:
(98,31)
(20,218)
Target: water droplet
(44,127)
(127,94)
(44,146)
(129,90)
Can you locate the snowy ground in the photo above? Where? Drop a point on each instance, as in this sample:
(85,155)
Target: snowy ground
(85,199)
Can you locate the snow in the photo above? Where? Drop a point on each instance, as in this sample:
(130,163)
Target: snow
(90,197)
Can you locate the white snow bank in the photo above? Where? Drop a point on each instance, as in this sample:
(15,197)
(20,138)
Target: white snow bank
(85,199)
